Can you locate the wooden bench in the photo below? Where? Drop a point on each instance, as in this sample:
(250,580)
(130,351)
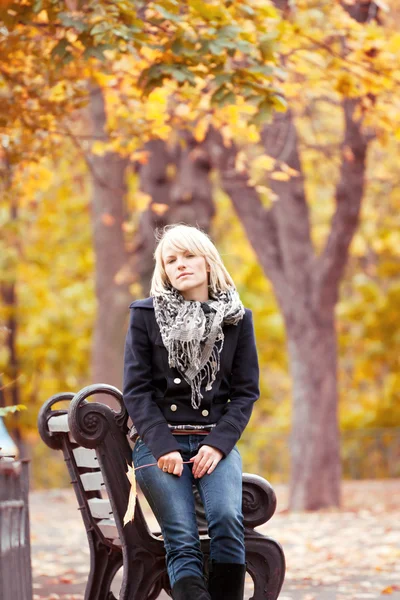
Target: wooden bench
(96,449)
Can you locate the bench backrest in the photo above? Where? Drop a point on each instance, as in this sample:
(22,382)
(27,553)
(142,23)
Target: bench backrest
(96,452)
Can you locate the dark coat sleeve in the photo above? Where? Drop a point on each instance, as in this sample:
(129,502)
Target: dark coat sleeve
(138,389)
(244,391)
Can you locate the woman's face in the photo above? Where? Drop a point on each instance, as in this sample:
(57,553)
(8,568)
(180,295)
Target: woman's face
(187,273)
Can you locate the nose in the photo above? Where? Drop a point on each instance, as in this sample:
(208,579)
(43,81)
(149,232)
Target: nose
(181,263)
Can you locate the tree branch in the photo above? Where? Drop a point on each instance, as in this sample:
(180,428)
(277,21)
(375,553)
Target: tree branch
(259,223)
(292,212)
(349,193)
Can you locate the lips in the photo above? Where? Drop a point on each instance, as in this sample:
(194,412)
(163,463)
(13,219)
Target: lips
(183,275)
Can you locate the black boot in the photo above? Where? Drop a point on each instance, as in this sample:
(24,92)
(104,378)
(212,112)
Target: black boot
(226,581)
(190,588)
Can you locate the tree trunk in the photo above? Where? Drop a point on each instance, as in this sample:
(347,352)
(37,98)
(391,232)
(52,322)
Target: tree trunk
(8,292)
(113,297)
(315,463)
(177,180)
(306,287)
(305,284)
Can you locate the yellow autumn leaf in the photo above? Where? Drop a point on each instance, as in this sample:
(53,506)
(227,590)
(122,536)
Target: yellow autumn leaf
(123,276)
(289,170)
(142,200)
(387,590)
(280,176)
(240,162)
(57,92)
(253,134)
(128,227)
(200,130)
(394,44)
(141,156)
(262,189)
(182,110)
(130,511)
(264,162)
(99,148)
(159,208)
(107,219)
(101,78)
(348,153)
(171,171)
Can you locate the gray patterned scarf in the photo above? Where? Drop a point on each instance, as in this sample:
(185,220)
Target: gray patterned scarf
(192,333)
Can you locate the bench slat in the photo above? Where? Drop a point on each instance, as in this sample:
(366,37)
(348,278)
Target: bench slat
(100,508)
(85,457)
(108,529)
(59,424)
(92,481)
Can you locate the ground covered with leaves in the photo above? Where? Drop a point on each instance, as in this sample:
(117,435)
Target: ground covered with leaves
(351,554)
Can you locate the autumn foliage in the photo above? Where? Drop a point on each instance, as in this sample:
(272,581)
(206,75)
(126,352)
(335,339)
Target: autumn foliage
(163,68)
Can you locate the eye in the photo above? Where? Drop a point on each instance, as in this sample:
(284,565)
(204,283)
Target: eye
(170,261)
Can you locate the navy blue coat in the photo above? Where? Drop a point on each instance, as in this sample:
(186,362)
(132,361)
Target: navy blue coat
(155,394)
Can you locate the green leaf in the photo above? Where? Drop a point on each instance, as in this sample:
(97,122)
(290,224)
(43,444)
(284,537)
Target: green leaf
(60,49)
(11,409)
(182,74)
(267,45)
(123,33)
(229,31)
(244,47)
(37,6)
(97,51)
(99,28)
(247,10)
(280,103)
(229,98)
(69,21)
(267,70)
(222,78)
(215,48)
(180,49)
(177,47)
(223,96)
(263,114)
(166,14)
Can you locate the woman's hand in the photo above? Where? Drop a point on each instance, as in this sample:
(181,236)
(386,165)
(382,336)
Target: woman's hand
(205,461)
(171,463)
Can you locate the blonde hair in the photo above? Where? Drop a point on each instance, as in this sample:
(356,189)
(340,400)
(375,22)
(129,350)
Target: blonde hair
(190,238)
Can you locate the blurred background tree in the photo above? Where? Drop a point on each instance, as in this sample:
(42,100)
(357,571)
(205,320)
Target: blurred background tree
(88,183)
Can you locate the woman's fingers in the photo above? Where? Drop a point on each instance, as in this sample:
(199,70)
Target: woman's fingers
(162,464)
(178,469)
(171,463)
(203,468)
(205,461)
(212,467)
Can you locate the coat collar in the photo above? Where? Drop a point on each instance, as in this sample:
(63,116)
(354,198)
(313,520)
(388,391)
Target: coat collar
(145,303)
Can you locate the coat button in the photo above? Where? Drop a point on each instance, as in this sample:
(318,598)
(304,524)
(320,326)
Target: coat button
(177,380)
(174,407)
(205,413)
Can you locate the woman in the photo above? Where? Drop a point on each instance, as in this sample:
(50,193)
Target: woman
(190,381)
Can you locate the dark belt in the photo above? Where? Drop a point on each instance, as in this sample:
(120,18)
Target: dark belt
(179,430)
(191,429)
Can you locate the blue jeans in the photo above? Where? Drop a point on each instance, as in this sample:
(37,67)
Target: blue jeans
(172,501)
